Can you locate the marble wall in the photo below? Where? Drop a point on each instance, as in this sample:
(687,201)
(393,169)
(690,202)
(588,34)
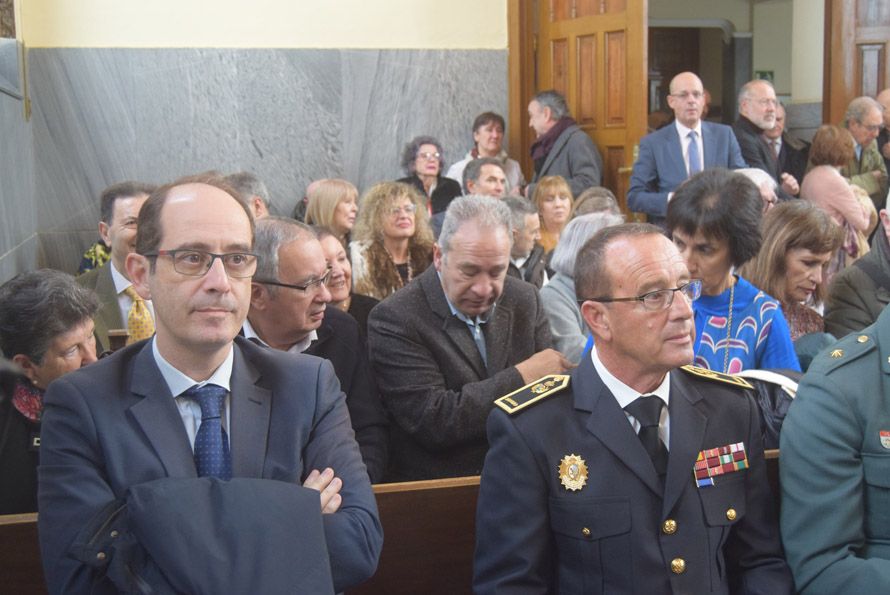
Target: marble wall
(18,213)
(290,116)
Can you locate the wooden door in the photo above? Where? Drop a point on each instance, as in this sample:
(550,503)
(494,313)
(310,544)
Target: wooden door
(857,34)
(594,52)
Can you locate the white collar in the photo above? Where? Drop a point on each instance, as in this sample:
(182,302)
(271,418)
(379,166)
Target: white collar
(179,382)
(624,394)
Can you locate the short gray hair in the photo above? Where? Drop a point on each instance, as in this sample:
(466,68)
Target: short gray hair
(248,186)
(758,176)
(412,148)
(474,168)
(520,208)
(746,91)
(575,235)
(485,210)
(555,101)
(591,278)
(38,306)
(859,108)
(271,234)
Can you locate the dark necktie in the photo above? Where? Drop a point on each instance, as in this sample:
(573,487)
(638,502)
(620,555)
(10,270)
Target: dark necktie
(647,411)
(212,455)
(692,153)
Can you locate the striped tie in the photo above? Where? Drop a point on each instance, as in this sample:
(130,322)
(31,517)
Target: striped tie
(139,322)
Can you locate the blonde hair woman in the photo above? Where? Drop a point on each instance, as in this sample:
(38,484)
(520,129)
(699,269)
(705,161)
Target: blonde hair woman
(332,204)
(553,198)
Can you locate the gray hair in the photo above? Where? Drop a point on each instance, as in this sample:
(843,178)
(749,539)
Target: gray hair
(590,275)
(38,306)
(758,176)
(747,89)
(555,101)
(486,211)
(859,108)
(575,235)
(409,153)
(271,234)
(474,168)
(248,186)
(520,208)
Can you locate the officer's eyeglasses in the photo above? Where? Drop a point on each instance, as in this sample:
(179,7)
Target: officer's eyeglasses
(660,299)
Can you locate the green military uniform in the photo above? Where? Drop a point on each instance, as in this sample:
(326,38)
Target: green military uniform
(858,171)
(835,468)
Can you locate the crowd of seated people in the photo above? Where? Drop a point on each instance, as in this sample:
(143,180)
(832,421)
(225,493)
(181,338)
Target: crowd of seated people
(426,328)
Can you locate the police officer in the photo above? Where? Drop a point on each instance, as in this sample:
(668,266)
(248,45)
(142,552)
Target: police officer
(635,474)
(835,468)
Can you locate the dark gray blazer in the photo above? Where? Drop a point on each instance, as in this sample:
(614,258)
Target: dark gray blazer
(433,380)
(114,425)
(109,316)
(575,157)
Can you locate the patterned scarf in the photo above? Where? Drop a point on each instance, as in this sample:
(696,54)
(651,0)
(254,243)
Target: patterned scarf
(28,400)
(541,147)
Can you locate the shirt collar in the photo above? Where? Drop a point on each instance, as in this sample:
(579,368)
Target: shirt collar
(624,394)
(298,347)
(179,382)
(120,282)
(683,130)
(480,319)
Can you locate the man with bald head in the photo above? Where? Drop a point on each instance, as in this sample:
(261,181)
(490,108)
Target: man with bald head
(163,463)
(864,119)
(671,154)
(758,108)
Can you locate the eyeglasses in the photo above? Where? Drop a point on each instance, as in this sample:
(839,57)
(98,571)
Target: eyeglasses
(871,127)
(427,156)
(687,94)
(311,285)
(196,263)
(660,299)
(407,209)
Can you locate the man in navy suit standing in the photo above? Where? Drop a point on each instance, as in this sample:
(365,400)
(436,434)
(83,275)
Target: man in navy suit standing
(193,461)
(671,154)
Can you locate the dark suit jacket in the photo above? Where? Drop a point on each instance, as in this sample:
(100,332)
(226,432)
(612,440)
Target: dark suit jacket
(793,155)
(757,153)
(340,343)
(109,315)
(360,307)
(433,380)
(575,157)
(446,190)
(533,269)
(114,425)
(660,167)
(534,536)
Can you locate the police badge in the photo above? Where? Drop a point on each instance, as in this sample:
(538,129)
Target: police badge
(573,472)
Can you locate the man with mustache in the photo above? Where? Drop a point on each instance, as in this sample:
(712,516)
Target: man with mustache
(198,461)
(447,344)
(288,312)
(121,307)
(608,480)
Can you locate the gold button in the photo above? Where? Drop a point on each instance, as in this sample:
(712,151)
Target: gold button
(731,514)
(100,556)
(585,531)
(114,534)
(678,565)
(862,338)
(669,527)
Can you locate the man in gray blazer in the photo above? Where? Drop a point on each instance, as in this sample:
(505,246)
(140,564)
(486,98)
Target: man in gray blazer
(445,346)
(238,426)
(562,148)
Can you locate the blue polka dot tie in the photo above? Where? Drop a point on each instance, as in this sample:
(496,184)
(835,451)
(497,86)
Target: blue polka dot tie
(212,455)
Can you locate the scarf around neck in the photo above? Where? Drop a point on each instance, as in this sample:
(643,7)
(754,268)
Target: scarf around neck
(542,147)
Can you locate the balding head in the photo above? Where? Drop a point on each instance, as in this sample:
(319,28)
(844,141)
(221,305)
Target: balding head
(687,98)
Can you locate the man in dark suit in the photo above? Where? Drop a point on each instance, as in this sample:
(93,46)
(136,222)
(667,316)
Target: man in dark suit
(447,344)
(758,107)
(118,213)
(527,259)
(191,409)
(632,475)
(562,148)
(792,153)
(671,154)
(289,312)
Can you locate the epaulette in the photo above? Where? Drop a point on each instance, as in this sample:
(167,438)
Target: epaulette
(736,381)
(532,393)
(843,352)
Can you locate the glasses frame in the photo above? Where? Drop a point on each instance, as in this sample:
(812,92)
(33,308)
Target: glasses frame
(213,256)
(642,298)
(314,284)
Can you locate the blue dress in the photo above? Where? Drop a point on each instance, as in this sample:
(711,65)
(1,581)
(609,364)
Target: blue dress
(759,337)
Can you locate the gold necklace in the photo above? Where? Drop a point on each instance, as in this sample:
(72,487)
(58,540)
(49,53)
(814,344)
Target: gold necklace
(728,327)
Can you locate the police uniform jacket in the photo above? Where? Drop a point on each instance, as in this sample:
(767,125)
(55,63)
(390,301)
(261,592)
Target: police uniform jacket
(616,534)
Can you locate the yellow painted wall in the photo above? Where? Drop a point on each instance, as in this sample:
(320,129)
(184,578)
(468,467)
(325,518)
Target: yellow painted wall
(737,12)
(773,41)
(808,44)
(432,24)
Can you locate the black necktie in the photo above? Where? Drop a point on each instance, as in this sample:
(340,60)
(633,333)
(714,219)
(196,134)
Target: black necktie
(647,411)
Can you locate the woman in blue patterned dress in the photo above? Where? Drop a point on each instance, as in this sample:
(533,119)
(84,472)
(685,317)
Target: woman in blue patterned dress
(714,219)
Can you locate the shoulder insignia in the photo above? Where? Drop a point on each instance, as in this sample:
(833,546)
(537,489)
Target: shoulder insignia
(846,350)
(532,393)
(737,381)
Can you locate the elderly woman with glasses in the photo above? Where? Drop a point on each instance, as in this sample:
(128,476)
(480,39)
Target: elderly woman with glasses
(714,218)
(393,241)
(423,161)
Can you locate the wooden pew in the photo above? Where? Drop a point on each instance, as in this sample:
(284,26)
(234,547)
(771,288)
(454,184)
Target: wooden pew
(428,537)
(20,569)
